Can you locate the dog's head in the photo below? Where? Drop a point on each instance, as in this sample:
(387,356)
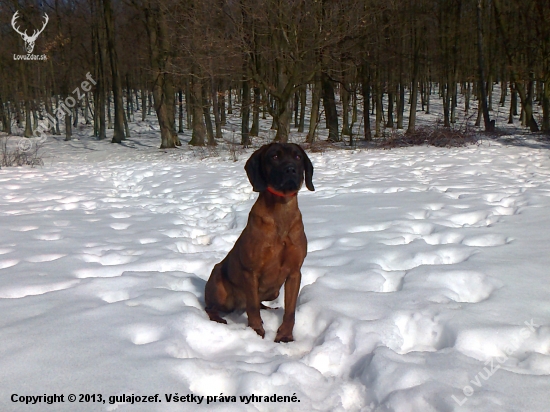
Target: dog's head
(281,167)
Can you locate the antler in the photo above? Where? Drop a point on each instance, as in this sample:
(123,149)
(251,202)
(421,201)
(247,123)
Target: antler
(13,20)
(24,34)
(37,32)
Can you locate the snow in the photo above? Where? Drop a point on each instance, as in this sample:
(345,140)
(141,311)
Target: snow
(425,287)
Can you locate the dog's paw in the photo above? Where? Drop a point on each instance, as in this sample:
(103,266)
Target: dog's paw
(284,338)
(214,316)
(259,330)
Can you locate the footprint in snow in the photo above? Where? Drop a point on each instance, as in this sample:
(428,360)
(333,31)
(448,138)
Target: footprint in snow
(487,240)
(319,244)
(142,334)
(109,259)
(50,257)
(8,263)
(419,332)
(48,236)
(463,286)
(16,292)
(402,260)
(23,228)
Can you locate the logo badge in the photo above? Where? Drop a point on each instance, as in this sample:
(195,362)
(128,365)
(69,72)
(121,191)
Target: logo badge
(29,40)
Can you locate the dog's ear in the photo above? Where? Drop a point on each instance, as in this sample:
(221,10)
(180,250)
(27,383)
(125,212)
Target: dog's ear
(254,170)
(308,168)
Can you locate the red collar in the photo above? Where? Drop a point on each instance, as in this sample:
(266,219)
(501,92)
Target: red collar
(280,194)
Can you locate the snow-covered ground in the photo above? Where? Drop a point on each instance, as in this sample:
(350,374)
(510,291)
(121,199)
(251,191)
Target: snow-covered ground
(426,286)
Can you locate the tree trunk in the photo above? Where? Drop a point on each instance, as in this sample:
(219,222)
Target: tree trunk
(143,104)
(163,91)
(100,108)
(490,93)
(329,104)
(389,123)
(479,111)
(169,91)
(527,103)
(429,93)
(207,118)
(129,104)
(284,116)
(34,113)
(27,104)
(188,104)
(17,108)
(136,96)
(446,105)
(180,111)
(199,128)
(216,109)
(422,95)
(229,102)
(87,109)
(489,125)
(6,121)
(303,97)
(256,112)
(68,128)
(414,95)
(400,105)
(118,134)
(379,109)
(274,111)
(285,92)
(296,108)
(354,108)
(546,105)
(3,115)
(126,128)
(315,102)
(345,98)
(57,129)
(467,95)
(526,99)
(245,112)
(222,105)
(503,90)
(454,102)
(109,117)
(365,91)
(28,125)
(513,103)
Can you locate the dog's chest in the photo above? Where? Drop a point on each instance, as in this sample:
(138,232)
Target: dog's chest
(284,254)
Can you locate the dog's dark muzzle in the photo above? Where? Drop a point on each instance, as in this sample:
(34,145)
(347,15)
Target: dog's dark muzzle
(290,178)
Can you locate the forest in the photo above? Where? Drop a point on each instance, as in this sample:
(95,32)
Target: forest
(127,129)
(189,63)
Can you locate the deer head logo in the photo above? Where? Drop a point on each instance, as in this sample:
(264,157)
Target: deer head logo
(29,40)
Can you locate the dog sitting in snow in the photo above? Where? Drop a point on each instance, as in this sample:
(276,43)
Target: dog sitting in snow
(272,246)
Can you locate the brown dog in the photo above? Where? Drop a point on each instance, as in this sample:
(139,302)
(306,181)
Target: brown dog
(272,246)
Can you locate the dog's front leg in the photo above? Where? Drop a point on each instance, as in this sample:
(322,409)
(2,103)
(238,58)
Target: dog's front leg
(253,304)
(292,287)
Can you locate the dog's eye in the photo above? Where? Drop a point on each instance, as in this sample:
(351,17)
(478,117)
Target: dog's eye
(298,157)
(274,157)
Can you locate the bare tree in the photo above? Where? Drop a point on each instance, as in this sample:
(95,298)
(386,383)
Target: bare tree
(118,134)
